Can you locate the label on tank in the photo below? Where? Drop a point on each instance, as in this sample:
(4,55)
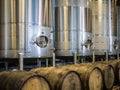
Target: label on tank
(101,43)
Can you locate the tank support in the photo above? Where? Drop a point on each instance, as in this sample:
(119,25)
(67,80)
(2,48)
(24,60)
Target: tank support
(75,58)
(106,56)
(54,59)
(21,60)
(93,56)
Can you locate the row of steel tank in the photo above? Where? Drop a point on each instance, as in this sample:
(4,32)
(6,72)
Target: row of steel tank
(86,27)
(25,28)
(36,27)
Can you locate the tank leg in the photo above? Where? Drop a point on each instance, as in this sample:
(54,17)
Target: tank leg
(93,56)
(38,63)
(82,60)
(21,61)
(118,55)
(46,62)
(75,58)
(102,59)
(106,56)
(6,65)
(54,60)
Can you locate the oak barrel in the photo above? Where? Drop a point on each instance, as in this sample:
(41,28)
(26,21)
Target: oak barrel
(22,80)
(116,67)
(116,87)
(60,79)
(108,74)
(91,76)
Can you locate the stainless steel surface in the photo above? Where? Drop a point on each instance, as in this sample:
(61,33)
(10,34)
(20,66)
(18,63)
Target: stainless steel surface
(29,11)
(72,27)
(12,39)
(12,31)
(4,10)
(26,27)
(84,28)
(100,25)
(21,11)
(118,25)
(65,27)
(12,9)
(113,33)
(39,36)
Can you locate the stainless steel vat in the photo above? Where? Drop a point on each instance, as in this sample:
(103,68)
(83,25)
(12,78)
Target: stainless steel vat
(11,30)
(118,23)
(26,26)
(84,23)
(65,13)
(39,31)
(100,25)
(113,33)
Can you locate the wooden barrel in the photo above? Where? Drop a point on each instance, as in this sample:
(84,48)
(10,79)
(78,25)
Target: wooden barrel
(116,66)
(21,80)
(116,87)
(60,79)
(91,76)
(108,74)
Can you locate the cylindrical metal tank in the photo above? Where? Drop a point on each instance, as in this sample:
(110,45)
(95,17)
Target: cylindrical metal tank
(39,37)
(100,25)
(12,27)
(84,23)
(113,33)
(65,13)
(118,22)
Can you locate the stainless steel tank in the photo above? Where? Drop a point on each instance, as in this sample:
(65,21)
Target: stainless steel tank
(26,26)
(65,27)
(118,23)
(113,33)
(12,26)
(84,28)
(100,25)
(39,31)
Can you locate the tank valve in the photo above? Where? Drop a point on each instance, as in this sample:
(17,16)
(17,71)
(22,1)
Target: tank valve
(115,44)
(41,41)
(88,44)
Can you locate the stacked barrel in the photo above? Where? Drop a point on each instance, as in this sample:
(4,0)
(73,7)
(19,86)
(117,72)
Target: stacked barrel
(88,76)
(21,80)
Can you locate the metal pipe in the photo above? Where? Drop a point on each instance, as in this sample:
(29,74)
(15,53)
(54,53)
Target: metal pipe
(21,63)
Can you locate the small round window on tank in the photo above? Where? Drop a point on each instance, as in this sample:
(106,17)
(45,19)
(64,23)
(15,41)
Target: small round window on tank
(42,41)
